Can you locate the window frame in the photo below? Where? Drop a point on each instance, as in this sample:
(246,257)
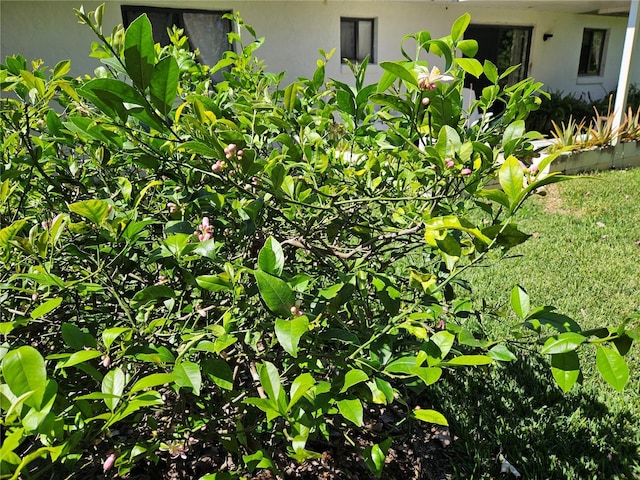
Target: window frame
(177,14)
(356,38)
(585,56)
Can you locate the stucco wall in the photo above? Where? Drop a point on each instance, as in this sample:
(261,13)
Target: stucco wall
(295,30)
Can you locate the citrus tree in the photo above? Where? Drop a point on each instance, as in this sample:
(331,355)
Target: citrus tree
(258,263)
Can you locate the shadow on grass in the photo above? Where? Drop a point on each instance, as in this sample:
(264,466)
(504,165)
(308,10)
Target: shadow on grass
(516,409)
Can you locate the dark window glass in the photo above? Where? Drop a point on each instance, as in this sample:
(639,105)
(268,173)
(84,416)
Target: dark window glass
(207,30)
(592,51)
(356,39)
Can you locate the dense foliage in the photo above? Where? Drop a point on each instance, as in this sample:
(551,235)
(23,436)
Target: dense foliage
(249,264)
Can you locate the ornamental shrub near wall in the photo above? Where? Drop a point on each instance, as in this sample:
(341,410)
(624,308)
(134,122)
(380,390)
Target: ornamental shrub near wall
(253,264)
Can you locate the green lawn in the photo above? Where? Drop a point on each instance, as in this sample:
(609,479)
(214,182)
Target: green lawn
(583,258)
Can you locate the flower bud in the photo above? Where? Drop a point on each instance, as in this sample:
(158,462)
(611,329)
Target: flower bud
(230,150)
(465,172)
(218,166)
(106,361)
(108,462)
(426,101)
(449,162)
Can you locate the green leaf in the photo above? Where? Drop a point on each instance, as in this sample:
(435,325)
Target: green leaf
(468,47)
(214,283)
(612,367)
(495,195)
(353,377)
(491,71)
(80,357)
(520,301)
(152,380)
(200,148)
(110,335)
(402,365)
(76,338)
(23,370)
(501,353)
(164,84)
(113,384)
(8,233)
(514,131)
(151,295)
(220,373)
(110,96)
(460,26)
(277,295)
(375,456)
(139,51)
(351,409)
(429,375)
(469,360)
(95,211)
(46,307)
(439,346)
(61,68)
(289,332)
(451,222)
(507,235)
(187,374)
(431,416)
(290,96)
(511,177)
(299,387)
(271,257)
(565,368)
(470,65)
(565,342)
(400,72)
(270,380)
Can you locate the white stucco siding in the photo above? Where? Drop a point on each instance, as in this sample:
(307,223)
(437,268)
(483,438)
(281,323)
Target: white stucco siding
(294,31)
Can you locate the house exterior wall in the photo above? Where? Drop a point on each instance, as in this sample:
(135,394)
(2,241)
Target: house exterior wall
(294,31)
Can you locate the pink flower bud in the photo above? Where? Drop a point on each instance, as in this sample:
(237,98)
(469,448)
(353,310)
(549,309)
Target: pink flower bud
(205,221)
(172,207)
(35,296)
(202,313)
(465,171)
(533,169)
(108,462)
(294,310)
(449,162)
(106,361)
(218,166)
(230,150)
(426,101)
(240,153)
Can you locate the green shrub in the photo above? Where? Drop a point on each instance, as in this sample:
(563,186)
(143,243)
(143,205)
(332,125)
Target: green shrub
(248,265)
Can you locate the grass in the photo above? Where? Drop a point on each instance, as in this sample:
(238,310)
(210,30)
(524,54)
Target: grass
(583,258)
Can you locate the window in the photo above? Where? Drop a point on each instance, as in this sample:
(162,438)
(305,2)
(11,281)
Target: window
(504,46)
(207,30)
(592,52)
(356,39)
